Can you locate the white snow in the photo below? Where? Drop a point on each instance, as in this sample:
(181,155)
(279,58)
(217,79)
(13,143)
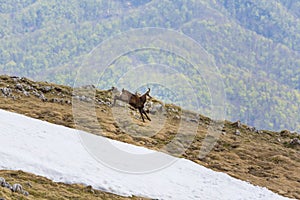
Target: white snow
(58,153)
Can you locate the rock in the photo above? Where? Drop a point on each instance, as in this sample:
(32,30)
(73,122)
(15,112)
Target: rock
(177,117)
(100,101)
(17,188)
(28,184)
(54,100)
(83,98)
(89,188)
(285,133)
(57,100)
(26,93)
(193,120)
(156,108)
(87,99)
(25,193)
(58,89)
(46,89)
(252,129)
(42,97)
(88,87)
(295,142)
(15,78)
(237,124)
(19,86)
(29,88)
(38,95)
(2,198)
(6,91)
(2,181)
(237,132)
(278,140)
(7,185)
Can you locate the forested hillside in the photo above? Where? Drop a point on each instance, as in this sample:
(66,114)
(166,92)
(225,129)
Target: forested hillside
(255,45)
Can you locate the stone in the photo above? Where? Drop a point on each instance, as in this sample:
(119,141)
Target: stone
(100,102)
(38,95)
(28,184)
(154,108)
(26,93)
(88,87)
(2,181)
(54,100)
(285,133)
(89,188)
(6,91)
(252,129)
(42,97)
(177,117)
(278,140)
(16,79)
(19,86)
(7,185)
(237,124)
(295,142)
(237,132)
(46,89)
(83,98)
(25,193)
(17,188)
(193,120)
(29,88)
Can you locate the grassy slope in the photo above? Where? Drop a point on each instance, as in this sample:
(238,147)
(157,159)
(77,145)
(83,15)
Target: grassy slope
(44,189)
(264,159)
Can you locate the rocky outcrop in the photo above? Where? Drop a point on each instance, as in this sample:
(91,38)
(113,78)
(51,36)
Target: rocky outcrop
(14,188)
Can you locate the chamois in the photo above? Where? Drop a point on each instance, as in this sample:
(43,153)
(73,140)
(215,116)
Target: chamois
(134,100)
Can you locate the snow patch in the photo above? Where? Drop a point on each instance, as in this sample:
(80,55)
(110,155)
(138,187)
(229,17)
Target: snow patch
(57,152)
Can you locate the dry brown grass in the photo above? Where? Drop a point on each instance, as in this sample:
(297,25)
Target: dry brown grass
(265,159)
(41,188)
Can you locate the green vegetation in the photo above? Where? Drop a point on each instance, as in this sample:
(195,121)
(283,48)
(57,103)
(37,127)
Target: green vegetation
(255,45)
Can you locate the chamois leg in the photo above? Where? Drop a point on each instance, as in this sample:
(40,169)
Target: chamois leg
(141,112)
(132,108)
(115,99)
(146,114)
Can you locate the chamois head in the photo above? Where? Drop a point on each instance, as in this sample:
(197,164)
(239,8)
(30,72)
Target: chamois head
(147,93)
(113,89)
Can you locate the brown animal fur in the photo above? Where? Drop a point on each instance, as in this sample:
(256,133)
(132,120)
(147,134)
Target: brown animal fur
(134,100)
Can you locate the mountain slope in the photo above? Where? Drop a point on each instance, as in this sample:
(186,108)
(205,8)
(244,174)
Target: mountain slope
(264,158)
(259,39)
(58,153)
(41,188)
